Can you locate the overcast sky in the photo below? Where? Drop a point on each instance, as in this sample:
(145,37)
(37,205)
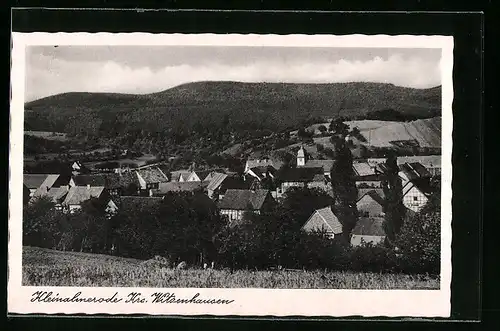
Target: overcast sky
(145,69)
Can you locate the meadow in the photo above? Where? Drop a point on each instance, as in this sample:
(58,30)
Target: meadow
(45,267)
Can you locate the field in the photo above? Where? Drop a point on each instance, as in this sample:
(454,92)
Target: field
(45,267)
(47,135)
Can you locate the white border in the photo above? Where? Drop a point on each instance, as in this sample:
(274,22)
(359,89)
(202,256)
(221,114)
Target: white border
(248,302)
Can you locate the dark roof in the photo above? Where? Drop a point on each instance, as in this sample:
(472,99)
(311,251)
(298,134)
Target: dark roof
(423,185)
(301,174)
(374,195)
(363,191)
(325,164)
(414,170)
(242,199)
(92,180)
(369,226)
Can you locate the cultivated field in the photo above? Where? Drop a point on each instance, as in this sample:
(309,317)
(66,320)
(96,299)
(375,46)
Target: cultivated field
(47,135)
(44,267)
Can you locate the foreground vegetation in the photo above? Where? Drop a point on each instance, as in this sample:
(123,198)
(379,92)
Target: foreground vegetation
(45,267)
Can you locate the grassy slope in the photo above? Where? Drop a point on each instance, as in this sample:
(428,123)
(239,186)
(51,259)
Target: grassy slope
(44,267)
(267,105)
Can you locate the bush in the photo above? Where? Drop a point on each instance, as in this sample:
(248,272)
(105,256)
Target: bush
(372,258)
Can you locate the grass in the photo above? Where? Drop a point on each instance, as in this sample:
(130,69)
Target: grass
(44,267)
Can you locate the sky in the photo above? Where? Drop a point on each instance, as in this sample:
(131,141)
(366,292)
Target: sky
(146,69)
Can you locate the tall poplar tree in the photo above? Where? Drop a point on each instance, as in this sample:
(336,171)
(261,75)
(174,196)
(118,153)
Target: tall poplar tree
(345,192)
(393,190)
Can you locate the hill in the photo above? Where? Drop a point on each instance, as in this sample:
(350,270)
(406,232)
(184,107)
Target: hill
(201,105)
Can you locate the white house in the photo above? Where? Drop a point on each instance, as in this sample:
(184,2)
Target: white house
(324,220)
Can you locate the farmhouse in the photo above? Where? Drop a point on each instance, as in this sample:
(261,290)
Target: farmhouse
(236,202)
(324,220)
(180,175)
(416,193)
(368,230)
(150,178)
(79,194)
(370,204)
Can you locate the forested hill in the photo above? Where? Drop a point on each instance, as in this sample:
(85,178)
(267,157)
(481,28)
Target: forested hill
(204,105)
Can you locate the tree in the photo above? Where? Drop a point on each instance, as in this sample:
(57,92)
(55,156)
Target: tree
(419,241)
(393,190)
(40,223)
(344,189)
(322,129)
(337,126)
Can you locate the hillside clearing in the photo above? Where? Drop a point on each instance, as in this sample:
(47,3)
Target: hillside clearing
(45,267)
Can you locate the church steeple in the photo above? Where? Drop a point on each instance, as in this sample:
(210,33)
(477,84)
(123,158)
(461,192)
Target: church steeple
(301,157)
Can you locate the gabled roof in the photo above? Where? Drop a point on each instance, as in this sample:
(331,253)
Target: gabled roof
(57,194)
(237,199)
(329,218)
(152,175)
(79,194)
(46,185)
(369,226)
(33,181)
(216,181)
(374,195)
(363,191)
(176,175)
(275,163)
(301,174)
(422,185)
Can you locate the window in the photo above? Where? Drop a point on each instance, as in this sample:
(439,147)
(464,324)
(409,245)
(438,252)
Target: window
(415,198)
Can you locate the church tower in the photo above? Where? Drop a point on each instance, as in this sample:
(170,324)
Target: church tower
(301,157)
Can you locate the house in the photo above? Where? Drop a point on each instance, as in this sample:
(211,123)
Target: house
(57,195)
(79,194)
(413,171)
(324,220)
(220,183)
(181,175)
(261,172)
(236,202)
(368,230)
(431,162)
(150,178)
(115,183)
(262,161)
(366,175)
(370,204)
(416,193)
(39,182)
(301,177)
(79,168)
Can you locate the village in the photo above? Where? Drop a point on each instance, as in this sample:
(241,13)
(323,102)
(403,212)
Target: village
(265,180)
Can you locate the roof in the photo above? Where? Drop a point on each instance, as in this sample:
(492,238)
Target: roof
(34,180)
(261,170)
(46,185)
(92,180)
(180,187)
(325,164)
(363,191)
(57,193)
(414,170)
(374,195)
(216,181)
(369,226)
(152,175)
(363,169)
(327,215)
(301,174)
(422,185)
(276,164)
(237,199)
(79,194)
(176,175)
